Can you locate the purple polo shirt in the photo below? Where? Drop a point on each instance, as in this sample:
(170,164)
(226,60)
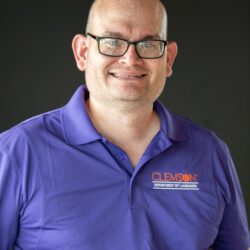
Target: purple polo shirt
(64,186)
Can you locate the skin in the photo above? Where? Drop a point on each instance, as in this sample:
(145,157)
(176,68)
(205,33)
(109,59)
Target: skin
(123,89)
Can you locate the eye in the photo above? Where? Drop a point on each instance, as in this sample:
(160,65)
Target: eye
(147,44)
(112,42)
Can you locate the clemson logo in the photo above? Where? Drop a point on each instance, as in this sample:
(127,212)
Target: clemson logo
(174,177)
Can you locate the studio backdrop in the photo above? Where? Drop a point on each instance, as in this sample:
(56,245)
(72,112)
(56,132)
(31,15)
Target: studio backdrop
(210,82)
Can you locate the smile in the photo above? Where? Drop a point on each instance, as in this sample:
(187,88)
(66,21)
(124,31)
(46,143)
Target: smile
(127,76)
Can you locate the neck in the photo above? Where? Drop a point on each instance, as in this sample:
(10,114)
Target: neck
(133,118)
(131,127)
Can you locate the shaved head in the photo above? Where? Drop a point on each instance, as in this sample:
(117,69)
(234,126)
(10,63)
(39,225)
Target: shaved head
(128,7)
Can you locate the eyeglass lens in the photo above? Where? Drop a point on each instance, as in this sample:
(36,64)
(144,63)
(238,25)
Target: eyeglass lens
(118,47)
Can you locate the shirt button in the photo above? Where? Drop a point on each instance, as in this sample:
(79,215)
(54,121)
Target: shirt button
(120,156)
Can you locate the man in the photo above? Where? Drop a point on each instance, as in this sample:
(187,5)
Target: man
(113,169)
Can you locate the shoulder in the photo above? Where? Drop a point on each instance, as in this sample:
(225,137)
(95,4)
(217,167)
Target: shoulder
(192,132)
(31,131)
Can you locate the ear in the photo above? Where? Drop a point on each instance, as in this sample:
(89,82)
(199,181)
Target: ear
(171,55)
(79,46)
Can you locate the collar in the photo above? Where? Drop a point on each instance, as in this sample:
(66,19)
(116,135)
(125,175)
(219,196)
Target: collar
(78,128)
(171,124)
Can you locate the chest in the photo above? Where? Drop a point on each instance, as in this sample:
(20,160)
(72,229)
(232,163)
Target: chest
(88,194)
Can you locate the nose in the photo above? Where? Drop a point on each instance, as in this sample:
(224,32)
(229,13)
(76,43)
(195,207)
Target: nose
(131,57)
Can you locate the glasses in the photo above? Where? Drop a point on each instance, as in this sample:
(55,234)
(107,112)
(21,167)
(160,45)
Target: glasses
(116,47)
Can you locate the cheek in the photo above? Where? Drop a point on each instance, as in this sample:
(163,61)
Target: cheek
(98,65)
(159,70)
(159,79)
(97,69)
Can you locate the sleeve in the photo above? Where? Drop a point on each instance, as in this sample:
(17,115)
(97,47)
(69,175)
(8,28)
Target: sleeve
(10,197)
(233,230)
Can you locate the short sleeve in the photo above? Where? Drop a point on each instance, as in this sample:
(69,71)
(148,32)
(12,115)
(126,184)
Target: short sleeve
(233,230)
(10,201)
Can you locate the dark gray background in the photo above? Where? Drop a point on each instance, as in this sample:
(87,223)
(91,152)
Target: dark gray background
(210,84)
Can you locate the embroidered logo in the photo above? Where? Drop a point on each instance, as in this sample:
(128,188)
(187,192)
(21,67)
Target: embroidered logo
(175,181)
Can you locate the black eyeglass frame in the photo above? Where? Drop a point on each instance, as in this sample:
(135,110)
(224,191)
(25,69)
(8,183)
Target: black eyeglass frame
(98,38)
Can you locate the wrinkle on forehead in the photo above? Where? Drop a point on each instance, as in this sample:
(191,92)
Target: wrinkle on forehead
(153,10)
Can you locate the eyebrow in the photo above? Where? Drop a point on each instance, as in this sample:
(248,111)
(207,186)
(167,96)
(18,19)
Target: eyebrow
(120,35)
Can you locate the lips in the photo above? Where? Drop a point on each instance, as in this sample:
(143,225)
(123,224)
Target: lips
(128,75)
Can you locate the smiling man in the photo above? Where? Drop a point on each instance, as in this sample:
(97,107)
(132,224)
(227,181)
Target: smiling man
(114,169)
(125,79)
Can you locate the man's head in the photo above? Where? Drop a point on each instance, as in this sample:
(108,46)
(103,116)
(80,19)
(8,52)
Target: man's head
(128,8)
(127,77)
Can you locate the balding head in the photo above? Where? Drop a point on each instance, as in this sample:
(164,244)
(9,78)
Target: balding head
(152,10)
(129,77)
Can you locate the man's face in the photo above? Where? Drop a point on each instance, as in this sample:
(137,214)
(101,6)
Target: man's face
(127,78)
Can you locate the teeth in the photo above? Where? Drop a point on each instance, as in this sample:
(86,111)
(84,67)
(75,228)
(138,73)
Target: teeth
(127,76)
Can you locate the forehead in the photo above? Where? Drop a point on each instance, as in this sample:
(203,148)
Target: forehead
(134,21)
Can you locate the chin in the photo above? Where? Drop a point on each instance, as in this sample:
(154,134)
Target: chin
(131,98)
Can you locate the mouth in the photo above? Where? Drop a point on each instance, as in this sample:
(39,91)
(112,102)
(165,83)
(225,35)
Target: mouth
(128,76)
